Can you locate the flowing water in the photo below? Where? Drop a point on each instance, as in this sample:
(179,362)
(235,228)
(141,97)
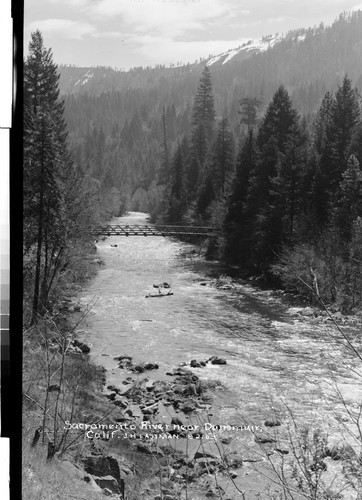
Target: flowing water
(270,350)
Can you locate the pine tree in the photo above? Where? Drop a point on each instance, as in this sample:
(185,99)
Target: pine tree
(222,160)
(344,117)
(218,167)
(275,133)
(177,203)
(322,158)
(349,206)
(239,216)
(335,129)
(249,111)
(164,172)
(52,184)
(203,117)
(289,188)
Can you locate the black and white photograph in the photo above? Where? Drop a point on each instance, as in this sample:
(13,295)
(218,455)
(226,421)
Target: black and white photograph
(208,154)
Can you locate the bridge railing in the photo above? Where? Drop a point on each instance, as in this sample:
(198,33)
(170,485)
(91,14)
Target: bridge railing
(153,230)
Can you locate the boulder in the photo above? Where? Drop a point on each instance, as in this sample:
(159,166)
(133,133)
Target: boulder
(102,466)
(143,448)
(264,439)
(282,451)
(150,385)
(216,360)
(272,422)
(207,462)
(138,368)
(83,347)
(126,390)
(113,388)
(111,396)
(197,364)
(187,407)
(121,358)
(151,366)
(108,482)
(204,454)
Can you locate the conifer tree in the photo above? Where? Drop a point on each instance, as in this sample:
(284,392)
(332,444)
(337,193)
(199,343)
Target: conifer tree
(335,129)
(177,203)
(218,167)
(203,117)
(344,117)
(239,216)
(279,125)
(249,111)
(53,196)
(222,159)
(349,206)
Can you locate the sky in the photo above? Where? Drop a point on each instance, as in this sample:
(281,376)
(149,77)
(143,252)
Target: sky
(131,33)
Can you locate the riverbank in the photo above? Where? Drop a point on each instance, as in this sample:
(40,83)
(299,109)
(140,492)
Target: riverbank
(273,367)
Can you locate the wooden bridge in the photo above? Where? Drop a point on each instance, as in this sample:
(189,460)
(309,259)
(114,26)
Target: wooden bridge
(154,230)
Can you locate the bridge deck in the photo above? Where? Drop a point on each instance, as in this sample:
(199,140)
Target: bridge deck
(150,230)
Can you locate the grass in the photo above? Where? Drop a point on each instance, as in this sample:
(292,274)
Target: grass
(56,479)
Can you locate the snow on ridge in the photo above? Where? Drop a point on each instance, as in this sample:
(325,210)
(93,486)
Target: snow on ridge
(252,45)
(87,77)
(214,59)
(230,55)
(84,79)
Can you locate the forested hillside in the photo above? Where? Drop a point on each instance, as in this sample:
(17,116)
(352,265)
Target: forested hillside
(264,143)
(117,120)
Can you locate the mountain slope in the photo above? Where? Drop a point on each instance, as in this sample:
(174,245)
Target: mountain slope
(115,117)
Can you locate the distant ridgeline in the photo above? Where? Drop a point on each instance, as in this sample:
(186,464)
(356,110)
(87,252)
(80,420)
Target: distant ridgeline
(115,118)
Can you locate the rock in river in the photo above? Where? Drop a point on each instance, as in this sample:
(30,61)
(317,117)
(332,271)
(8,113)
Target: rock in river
(216,360)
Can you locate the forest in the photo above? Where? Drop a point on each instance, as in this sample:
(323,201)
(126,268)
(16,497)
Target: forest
(267,149)
(267,152)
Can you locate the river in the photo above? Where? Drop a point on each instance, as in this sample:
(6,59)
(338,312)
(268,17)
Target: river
(272,353)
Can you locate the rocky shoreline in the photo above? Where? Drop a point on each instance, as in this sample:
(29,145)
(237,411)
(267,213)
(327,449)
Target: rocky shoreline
(170,422)
(167,418)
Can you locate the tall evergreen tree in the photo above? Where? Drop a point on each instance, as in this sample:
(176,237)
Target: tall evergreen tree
(279,125)
(335,129)
(239,217)
(344,116)
(203,118)
(177,203)
(218,167)
(349,206)
(164,172)
(222,159)
(52,185)
(249,111)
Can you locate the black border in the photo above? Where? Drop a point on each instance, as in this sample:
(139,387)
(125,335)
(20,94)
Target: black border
(11,372)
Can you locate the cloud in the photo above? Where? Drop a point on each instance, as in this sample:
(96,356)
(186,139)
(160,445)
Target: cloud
(280,19)
(108,34)
(171,18)
(66,28)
